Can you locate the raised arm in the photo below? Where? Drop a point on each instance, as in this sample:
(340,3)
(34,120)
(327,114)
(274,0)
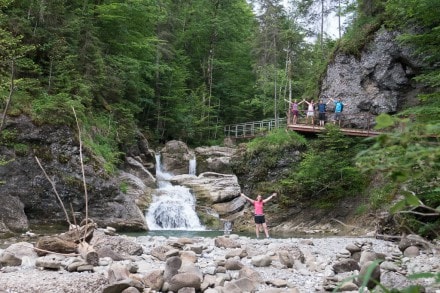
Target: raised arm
(247,198)
(270,197)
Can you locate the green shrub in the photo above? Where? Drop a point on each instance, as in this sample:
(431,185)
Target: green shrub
(327,171)
(56,109)
(275,141)
(21,149)
(8,136)
(123,187)
(100,138)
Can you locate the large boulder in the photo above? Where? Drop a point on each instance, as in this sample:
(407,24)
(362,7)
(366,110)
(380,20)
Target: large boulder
(175,157)
(379,81)
(12,216)
(218,192)
(214,159)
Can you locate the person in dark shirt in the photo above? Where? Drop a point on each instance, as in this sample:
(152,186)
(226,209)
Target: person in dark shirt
(322,109)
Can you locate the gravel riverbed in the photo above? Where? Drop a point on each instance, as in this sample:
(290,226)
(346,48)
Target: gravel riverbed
(309,275)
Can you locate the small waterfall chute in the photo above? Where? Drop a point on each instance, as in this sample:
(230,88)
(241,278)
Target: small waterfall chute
(192,166)
(173,206)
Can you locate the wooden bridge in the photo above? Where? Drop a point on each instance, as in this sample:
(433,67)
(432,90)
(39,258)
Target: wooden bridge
(257,128)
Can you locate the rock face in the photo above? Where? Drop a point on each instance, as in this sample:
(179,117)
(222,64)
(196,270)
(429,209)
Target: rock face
(27,196)
(377,82)
(175,157)
(214,159)
(218,192)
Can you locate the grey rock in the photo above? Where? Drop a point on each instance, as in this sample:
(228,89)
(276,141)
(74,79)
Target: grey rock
(411,251)
(373,278)
(172,267)
(377,82)
(182,280)
(346,265)
(233,264)
(261,261)
(154,279)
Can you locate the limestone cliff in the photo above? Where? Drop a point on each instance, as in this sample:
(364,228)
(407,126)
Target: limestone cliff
(378,81)
(27,197)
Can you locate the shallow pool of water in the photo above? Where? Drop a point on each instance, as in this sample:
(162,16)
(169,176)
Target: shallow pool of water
(216,233)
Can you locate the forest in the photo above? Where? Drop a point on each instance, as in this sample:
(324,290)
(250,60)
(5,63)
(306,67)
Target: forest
(182,69)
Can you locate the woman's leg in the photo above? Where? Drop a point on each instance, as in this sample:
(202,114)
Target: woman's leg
(266,231)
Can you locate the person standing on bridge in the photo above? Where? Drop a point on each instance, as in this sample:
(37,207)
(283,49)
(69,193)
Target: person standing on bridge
(260,221)
(339,107)
(310,111)
(322,109)
(294,110)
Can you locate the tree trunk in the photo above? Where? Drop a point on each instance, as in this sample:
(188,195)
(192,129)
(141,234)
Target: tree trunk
(11,91)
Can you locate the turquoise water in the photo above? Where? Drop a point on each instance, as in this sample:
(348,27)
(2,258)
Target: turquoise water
(214,233)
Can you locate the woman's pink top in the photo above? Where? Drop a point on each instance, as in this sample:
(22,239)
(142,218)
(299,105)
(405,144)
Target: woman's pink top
(258,206)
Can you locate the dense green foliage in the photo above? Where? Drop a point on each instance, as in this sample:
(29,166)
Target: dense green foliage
(409,161)
(172,69)
(409,158)
(327,172)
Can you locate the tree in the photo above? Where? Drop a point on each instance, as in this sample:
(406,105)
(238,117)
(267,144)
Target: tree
(270,49)
(12,54)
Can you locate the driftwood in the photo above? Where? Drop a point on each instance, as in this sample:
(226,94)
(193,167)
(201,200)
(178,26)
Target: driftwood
(88,253)
(77,235)
(48,244)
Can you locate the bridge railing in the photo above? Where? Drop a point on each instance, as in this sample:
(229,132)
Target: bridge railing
(254,128)
(347,120)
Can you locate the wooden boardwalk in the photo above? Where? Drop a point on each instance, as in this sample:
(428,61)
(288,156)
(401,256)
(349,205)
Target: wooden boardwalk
(259,128)
(346,131)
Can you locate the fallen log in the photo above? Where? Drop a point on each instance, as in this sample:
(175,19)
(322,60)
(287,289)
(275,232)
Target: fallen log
(88,253)
(77,234)
(48,244)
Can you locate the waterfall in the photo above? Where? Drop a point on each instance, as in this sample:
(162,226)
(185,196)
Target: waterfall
(192,166)
(173,207)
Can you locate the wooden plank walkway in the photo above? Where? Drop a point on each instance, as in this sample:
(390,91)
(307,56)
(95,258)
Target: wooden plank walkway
(347,131)
(259,128)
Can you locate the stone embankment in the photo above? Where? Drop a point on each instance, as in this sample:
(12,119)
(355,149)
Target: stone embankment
(229,263)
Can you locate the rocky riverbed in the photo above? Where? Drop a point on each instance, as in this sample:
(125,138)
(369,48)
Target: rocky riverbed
(229,263)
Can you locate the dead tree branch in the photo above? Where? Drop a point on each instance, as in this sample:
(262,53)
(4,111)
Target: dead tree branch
(82,170)
(55,190)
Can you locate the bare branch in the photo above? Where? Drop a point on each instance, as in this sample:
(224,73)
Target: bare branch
(343,224)
(55,190)
(82,170)
(419,213)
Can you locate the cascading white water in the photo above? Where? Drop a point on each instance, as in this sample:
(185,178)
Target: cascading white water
(173,207)
(192,166)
